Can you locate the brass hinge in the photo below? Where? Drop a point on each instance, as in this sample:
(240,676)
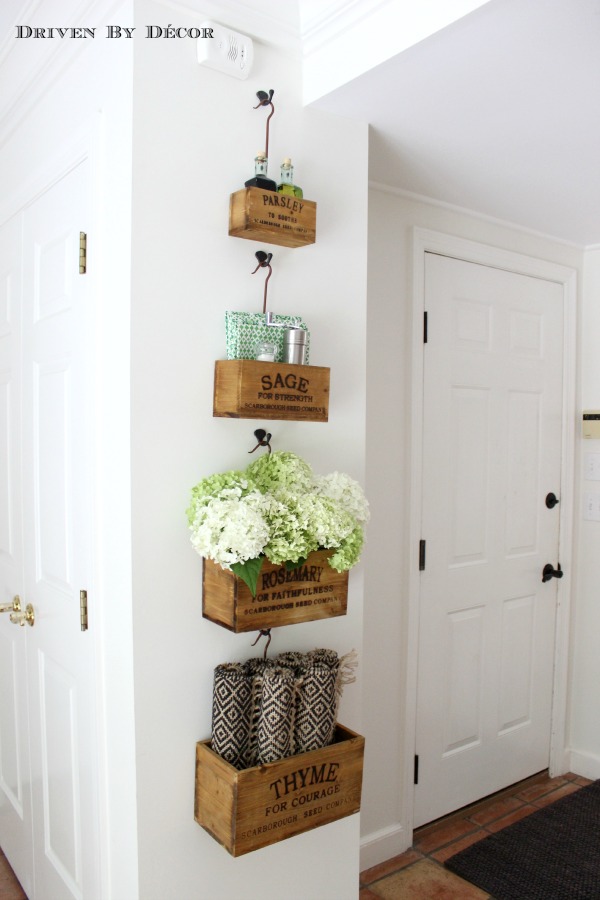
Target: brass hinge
(83,610)
(82,252)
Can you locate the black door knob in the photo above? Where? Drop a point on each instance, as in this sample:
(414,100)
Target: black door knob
(549,572)
(551,500)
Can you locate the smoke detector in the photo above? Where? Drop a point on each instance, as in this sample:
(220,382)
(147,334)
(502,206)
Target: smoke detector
(226,51)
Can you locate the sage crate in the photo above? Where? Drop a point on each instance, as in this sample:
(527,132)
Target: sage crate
(251,389)
(272,217)
(252,808)
(284,597)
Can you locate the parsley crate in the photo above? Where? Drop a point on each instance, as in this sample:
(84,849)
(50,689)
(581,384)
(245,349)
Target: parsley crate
(272,217)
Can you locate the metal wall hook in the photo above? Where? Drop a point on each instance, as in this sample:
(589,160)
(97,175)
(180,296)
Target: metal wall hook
(264,632)
(265,99)
(264,262)
(264,440)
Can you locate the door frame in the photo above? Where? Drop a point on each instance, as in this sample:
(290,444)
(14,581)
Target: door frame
(424,241)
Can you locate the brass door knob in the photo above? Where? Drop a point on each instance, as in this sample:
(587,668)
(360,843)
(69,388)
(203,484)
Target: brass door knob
(20,618)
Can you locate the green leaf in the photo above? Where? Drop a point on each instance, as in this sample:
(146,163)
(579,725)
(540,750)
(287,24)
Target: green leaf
(290,566)
(249,571)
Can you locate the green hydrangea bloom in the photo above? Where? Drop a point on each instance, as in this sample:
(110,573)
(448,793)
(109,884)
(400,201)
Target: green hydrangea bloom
(278,471)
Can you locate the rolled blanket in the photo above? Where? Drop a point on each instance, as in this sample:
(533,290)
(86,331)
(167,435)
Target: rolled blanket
(264,710)
(315,707)
(276,719)
(255,669)
(320,684)
(231,713)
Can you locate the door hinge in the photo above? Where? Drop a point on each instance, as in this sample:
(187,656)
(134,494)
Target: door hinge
(416,777)
(83,610)
(422,548)
(424,327)
(82,252)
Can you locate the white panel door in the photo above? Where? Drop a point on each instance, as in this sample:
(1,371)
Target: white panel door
(50,667)
(16,837)
(491,454)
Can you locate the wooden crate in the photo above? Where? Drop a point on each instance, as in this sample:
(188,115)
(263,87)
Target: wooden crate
(272,217)
(304,594)
(250,389)
(248,809)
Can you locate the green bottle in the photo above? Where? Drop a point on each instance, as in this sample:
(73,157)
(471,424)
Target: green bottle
(287,186)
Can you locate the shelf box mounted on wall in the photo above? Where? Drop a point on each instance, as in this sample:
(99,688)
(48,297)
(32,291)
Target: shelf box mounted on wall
(252,808)
(249,389)
(310,592)
(272,217)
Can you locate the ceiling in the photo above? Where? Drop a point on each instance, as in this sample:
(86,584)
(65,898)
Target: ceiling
(498,113)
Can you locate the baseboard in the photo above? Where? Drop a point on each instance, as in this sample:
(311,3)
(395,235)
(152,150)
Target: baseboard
(585,764)
(381,845)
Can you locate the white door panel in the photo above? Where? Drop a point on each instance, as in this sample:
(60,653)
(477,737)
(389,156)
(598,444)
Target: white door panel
(57,516)
(491,453)
(51,496)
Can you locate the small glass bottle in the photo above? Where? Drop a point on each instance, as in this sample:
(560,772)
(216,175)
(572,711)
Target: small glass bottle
(265,351)
(287,186)
(260,179)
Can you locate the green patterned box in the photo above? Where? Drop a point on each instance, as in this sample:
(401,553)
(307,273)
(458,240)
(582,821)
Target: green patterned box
(243,331)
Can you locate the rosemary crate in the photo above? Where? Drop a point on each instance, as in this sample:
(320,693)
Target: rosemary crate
(304,594)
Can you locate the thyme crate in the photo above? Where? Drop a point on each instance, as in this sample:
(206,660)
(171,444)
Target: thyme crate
(252,808)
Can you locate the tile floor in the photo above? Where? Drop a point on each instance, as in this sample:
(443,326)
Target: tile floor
(419,873)
(10,889)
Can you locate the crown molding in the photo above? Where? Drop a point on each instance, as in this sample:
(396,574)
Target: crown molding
(330,20)
(268,22)
(474,214)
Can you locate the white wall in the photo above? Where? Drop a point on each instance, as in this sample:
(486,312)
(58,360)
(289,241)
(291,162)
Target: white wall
(584,721)
(391,220)
(195,137)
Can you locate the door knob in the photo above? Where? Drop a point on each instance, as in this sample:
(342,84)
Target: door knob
(20,618)
(551,500)
(548,572)
(15,606)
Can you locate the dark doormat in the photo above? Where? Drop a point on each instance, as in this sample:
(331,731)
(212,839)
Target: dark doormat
(552,854)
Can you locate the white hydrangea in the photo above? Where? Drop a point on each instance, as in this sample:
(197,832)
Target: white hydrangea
(346,492)
(231,529)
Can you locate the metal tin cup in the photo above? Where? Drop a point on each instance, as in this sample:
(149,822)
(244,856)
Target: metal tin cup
(294,345)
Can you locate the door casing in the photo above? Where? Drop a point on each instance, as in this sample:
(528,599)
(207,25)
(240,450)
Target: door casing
(424,241)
